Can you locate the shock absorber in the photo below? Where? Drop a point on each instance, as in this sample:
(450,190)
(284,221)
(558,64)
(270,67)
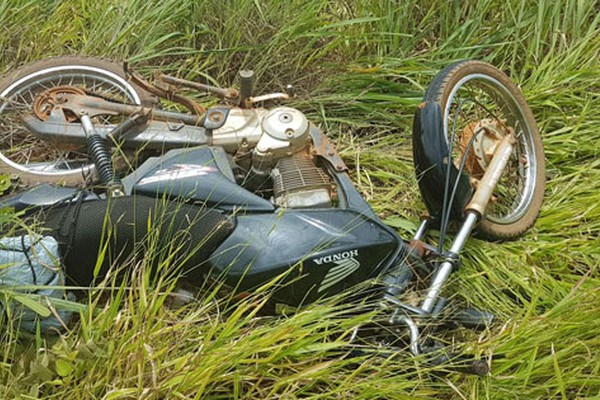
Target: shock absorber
(99,153)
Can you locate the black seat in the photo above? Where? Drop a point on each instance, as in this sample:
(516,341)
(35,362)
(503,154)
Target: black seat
(132,227)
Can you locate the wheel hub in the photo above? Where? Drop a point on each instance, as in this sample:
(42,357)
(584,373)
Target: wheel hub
(48,100)
(486,134)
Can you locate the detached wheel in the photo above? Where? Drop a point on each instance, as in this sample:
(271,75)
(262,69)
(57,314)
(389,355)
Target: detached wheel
(468,108)
(31,91)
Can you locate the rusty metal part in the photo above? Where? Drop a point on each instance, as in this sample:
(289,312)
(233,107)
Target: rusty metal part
(216,117)
(489,134)
(227,93)
(191,105)
(47,101)
(322,147)
(419,248)
(93,106)
(488,182)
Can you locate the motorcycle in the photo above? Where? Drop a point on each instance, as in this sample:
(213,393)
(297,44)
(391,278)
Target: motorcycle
(261,192)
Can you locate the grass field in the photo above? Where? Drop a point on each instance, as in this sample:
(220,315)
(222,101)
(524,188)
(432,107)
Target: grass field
(360,68)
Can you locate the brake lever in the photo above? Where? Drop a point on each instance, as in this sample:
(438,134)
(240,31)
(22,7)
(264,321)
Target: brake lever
(290,93)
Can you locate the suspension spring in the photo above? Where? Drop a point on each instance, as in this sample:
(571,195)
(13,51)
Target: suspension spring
(99,153)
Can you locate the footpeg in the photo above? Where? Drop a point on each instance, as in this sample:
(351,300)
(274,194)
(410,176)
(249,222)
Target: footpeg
(462,363)
(473,318)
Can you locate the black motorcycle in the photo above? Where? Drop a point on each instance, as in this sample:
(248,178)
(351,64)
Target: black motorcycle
(260,193)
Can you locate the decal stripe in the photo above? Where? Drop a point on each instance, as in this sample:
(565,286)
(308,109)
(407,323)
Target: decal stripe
(338,273)
(338,268)
(341,270)
(331,283)
(332,276)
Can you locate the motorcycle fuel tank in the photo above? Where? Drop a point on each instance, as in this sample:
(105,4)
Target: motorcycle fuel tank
(319,252)
(315,252)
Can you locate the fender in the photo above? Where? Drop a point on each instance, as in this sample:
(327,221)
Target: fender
(430,157)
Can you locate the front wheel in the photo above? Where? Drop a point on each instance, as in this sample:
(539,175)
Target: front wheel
(27,92)
(467,110)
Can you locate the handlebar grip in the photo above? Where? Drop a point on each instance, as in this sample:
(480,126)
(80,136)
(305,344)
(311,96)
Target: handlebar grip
(246,85)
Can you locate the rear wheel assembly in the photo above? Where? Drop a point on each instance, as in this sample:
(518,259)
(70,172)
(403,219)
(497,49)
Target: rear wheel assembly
(36,89)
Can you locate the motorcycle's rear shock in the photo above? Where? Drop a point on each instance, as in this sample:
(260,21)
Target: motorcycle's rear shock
(99,149)
(99,153)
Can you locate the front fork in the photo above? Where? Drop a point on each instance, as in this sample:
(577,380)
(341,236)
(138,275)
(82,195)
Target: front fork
(474,211)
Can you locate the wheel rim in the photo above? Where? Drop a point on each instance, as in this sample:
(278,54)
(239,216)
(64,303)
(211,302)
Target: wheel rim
(479,97)
(25,153)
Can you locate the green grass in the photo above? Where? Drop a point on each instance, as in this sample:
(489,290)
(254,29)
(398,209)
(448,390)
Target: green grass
(360,68)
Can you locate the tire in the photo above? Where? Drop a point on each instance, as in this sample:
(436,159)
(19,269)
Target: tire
(478,104)
(30,158)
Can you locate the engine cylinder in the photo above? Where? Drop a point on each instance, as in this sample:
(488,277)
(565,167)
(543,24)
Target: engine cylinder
(299,183)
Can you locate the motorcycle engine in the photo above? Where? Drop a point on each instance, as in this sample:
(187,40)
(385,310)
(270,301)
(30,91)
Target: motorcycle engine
(283,153)
(299,182)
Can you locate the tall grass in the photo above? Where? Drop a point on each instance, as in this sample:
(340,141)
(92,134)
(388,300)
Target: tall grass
(360,68)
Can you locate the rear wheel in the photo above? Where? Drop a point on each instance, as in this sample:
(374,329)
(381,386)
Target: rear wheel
(31,91)
(479,105)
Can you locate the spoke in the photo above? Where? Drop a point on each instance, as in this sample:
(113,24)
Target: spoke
(473,103)
(23,148)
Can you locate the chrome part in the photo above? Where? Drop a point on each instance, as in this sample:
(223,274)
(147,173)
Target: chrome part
(268,97)
(463,233)
(445,268)
(153,135)
(241,129)
(109,77)
(422,229)
(88,126)
(285,133)
(286,124)
(414,334)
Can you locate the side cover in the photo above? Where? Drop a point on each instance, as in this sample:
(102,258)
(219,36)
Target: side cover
(199,174)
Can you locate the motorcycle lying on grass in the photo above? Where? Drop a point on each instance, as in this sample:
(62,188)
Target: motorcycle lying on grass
(261,192)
